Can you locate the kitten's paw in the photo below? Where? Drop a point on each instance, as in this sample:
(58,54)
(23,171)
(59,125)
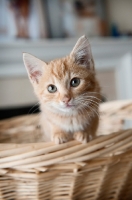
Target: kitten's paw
(81,137)
(60,137)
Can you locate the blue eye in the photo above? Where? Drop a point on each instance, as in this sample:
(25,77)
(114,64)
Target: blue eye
(75,82)
(52,88)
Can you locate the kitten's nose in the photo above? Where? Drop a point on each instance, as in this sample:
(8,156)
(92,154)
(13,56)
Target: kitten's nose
(66,99)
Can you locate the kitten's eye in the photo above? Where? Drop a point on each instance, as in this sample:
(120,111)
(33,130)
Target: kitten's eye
(52,88)
(75,82)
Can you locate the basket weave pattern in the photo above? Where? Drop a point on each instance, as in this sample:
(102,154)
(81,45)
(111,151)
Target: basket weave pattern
(99,170)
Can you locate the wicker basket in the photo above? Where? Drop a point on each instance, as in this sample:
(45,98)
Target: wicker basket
(99,170)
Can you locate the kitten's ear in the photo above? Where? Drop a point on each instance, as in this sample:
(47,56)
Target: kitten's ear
(34,67)
(82,53)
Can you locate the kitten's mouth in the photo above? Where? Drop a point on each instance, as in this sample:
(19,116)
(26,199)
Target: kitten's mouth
(65,108)
(69,106)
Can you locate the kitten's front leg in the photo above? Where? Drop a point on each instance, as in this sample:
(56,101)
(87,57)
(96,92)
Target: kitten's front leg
(89,133)
(60,137)
(82,136)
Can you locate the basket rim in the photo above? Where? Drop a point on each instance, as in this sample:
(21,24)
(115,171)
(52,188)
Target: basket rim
(35,155)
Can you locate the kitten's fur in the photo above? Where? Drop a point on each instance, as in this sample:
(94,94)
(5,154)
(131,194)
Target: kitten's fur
(70,112)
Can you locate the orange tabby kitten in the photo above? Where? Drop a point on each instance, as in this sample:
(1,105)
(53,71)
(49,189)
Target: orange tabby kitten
(68,92)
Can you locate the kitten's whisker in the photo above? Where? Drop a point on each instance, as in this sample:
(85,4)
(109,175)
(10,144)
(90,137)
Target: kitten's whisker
(99,94)
(92,93)
(82,108)
(94,104)
(86,95)
(88,104)
(92,101)
(35,110)
(94,97)
(87,110)
(33,107)
(92,109)
(95,111)
(87,101)
(82,111)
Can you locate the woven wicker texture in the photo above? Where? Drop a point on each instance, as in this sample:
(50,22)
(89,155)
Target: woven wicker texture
(99,170)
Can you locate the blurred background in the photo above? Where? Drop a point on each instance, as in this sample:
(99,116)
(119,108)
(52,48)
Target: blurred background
(49,29)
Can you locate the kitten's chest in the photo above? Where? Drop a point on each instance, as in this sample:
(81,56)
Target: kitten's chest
(70,124)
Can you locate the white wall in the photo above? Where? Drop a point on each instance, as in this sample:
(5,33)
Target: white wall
(120,12)
(15,92)
(15,88)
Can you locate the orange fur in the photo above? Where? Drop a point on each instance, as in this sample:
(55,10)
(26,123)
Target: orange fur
(70,112)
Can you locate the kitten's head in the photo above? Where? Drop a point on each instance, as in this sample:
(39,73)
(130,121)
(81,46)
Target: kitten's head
(65,85)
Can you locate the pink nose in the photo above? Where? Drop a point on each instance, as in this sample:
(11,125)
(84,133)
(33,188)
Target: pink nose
(66,99)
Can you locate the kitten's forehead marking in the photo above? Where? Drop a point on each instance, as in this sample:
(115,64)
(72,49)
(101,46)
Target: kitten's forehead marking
(58,69)
(60,74)
(63,83)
